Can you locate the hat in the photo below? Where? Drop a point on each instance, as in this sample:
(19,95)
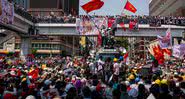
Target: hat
(30,97)
(133,92)
(47,82)
(164,81)
(12,72)
(137,79)
(115,60)
(127,83)
(131,77)
(157,82)
(24,79)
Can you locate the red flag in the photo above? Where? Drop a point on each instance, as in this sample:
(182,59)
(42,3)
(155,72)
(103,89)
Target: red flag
(167,51)
(34,73)
(131,25)
(158,54)
(125,57)
(122,25)
(92,5)
(19,73)
(130,7)
(111,22)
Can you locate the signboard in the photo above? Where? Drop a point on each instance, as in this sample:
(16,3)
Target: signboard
(87,26)
(6,12)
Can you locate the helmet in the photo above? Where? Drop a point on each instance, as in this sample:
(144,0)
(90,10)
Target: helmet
(115,60)
(157,82)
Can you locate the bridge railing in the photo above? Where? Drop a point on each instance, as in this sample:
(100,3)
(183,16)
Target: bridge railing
(22,12)
(152,20)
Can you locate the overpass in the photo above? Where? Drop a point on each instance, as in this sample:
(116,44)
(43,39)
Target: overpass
(144,30)
(21,26)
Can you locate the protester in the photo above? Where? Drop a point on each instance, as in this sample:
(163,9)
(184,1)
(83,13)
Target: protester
(63,80)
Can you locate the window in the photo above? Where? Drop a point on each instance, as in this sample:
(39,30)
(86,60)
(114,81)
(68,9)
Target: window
(17,46)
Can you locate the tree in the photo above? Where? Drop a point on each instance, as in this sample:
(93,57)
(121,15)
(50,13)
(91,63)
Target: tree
(122,42)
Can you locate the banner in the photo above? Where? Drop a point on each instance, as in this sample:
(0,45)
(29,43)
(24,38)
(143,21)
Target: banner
(179,51)
(159,54)
(86,26)
(152,45)
(165,42)
(6,12)
(0,8)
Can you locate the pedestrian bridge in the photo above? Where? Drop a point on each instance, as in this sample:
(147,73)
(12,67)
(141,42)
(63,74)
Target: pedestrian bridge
(21,26)
(144,30)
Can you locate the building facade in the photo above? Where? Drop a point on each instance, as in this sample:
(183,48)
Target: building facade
(57,7)
(48,45)
(46,6)
(167,8)
(22,3)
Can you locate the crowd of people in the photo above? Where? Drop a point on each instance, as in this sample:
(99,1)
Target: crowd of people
(23,12)
(87,78)
(69,18)
(56,19)
(152,20)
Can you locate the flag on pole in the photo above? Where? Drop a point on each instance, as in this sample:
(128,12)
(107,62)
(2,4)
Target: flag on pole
(159,53)
(126,58)
(165,42)
(83,41)
(92,5)
(130,7)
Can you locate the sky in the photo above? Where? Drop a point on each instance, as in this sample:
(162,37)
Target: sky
(115,7)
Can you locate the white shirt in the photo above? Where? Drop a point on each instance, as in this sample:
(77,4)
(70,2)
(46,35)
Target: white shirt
(116,68)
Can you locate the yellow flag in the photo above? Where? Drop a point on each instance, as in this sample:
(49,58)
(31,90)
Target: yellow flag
(82,41)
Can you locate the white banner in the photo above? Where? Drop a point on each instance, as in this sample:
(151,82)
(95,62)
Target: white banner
(86,26)
(165,42)
(179,51)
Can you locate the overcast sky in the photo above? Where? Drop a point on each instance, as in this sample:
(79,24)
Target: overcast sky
(115,7)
